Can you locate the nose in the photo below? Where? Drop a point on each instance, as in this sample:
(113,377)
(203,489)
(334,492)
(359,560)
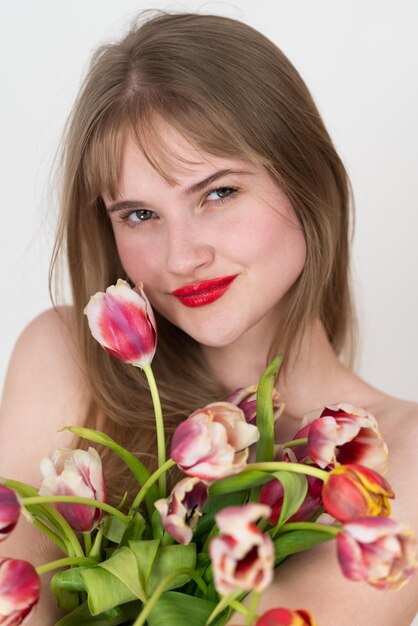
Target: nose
(187,248)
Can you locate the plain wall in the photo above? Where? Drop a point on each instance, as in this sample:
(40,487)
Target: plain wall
(360,60)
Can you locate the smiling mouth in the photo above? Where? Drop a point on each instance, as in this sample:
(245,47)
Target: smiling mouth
(203,292)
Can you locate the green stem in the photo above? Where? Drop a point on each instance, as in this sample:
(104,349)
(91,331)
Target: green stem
(239,607)
(97,545)
(295,442)
(159,424)
(71,560)
(76,500)
(330,530)
(87,543)
(151,480)
(252,609)
(162,587)
(298,468)
(50,533)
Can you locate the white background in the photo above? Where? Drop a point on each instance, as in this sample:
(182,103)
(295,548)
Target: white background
(359,58)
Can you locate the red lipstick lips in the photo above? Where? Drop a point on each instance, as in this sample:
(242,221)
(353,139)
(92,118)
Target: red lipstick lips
(203,292)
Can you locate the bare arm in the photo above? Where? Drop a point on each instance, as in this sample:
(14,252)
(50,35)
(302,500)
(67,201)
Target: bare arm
(44,390)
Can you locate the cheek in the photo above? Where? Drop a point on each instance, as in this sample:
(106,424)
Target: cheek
(136,261)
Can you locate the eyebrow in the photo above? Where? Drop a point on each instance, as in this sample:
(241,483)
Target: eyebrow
(195,188)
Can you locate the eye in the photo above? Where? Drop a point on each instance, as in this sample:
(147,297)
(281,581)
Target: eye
(223,193)
(135,219)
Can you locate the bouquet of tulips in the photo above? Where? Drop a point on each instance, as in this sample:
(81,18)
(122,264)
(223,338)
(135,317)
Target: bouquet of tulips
(193,555)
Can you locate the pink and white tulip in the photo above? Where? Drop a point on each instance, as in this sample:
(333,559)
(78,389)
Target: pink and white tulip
(75,473)
(242,556)
(245,398)
(377,550)
(342,433)
(286,617)
(180,512)
(19,591)
(123,322)
(9,511)
(213,442)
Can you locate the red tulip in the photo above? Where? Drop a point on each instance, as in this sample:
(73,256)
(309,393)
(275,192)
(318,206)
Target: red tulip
(75,473)
(123,322)
(242,556)
(377,550)
(19,591)
(272,493)
(246,399)
(9,511)
(213,442)
(181,510)
(353,491)
(342,433)
(285,617)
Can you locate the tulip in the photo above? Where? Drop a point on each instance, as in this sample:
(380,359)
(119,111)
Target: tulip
(377,550)
(123,322)
(353,491)
(272,494)
(19,591)
(9,511)
(75,473)
(213,442)
(180,512)
(285,617)
(246,399)
(242,556)
(342,433)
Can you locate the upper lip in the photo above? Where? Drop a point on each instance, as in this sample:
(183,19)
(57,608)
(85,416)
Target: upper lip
(202,286)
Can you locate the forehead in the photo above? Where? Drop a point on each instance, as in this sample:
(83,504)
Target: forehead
(165,157)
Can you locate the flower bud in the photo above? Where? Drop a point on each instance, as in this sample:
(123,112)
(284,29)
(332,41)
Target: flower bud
(181,510)
(377,550)
(353,491)
(342,433)
(75,473)
(9,511)
(19,591)
(246,399)
(242,556)
(123,322)
(213,442)
(285,617)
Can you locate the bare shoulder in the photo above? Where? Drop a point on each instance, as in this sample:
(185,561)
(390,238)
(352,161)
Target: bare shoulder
(44,390)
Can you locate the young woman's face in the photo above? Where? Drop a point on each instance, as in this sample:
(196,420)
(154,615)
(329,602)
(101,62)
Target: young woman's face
(239,223)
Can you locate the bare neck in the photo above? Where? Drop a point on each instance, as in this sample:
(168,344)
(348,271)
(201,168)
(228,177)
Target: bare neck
(314,377)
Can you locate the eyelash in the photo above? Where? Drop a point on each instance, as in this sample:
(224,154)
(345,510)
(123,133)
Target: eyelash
(124,215)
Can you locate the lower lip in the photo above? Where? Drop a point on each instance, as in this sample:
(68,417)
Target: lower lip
(199,299)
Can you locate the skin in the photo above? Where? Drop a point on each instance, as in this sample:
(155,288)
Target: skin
(257,236)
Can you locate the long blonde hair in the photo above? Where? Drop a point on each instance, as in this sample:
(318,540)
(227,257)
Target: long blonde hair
(230,91)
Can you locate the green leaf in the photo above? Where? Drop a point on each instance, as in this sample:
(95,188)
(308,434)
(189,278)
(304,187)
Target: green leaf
(113,582)
(246,480)
(112,528)
(223,603)
(134,530)
(69,579)
(120,615)
(265,413)
(137,468)
(145,553)
(297,541)
(168,559)
(295,488)
(177,609)
(66,594)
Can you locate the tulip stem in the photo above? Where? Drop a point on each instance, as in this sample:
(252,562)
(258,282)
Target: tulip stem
(162,587)
(70,560)
(252,609)
(295,442)
(159,425)
(48,531)
(76,500)
(330,530)
(298,468)
(239,607)
(151,480)
(87,543)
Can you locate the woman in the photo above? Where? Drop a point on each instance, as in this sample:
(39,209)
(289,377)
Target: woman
(195,153)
